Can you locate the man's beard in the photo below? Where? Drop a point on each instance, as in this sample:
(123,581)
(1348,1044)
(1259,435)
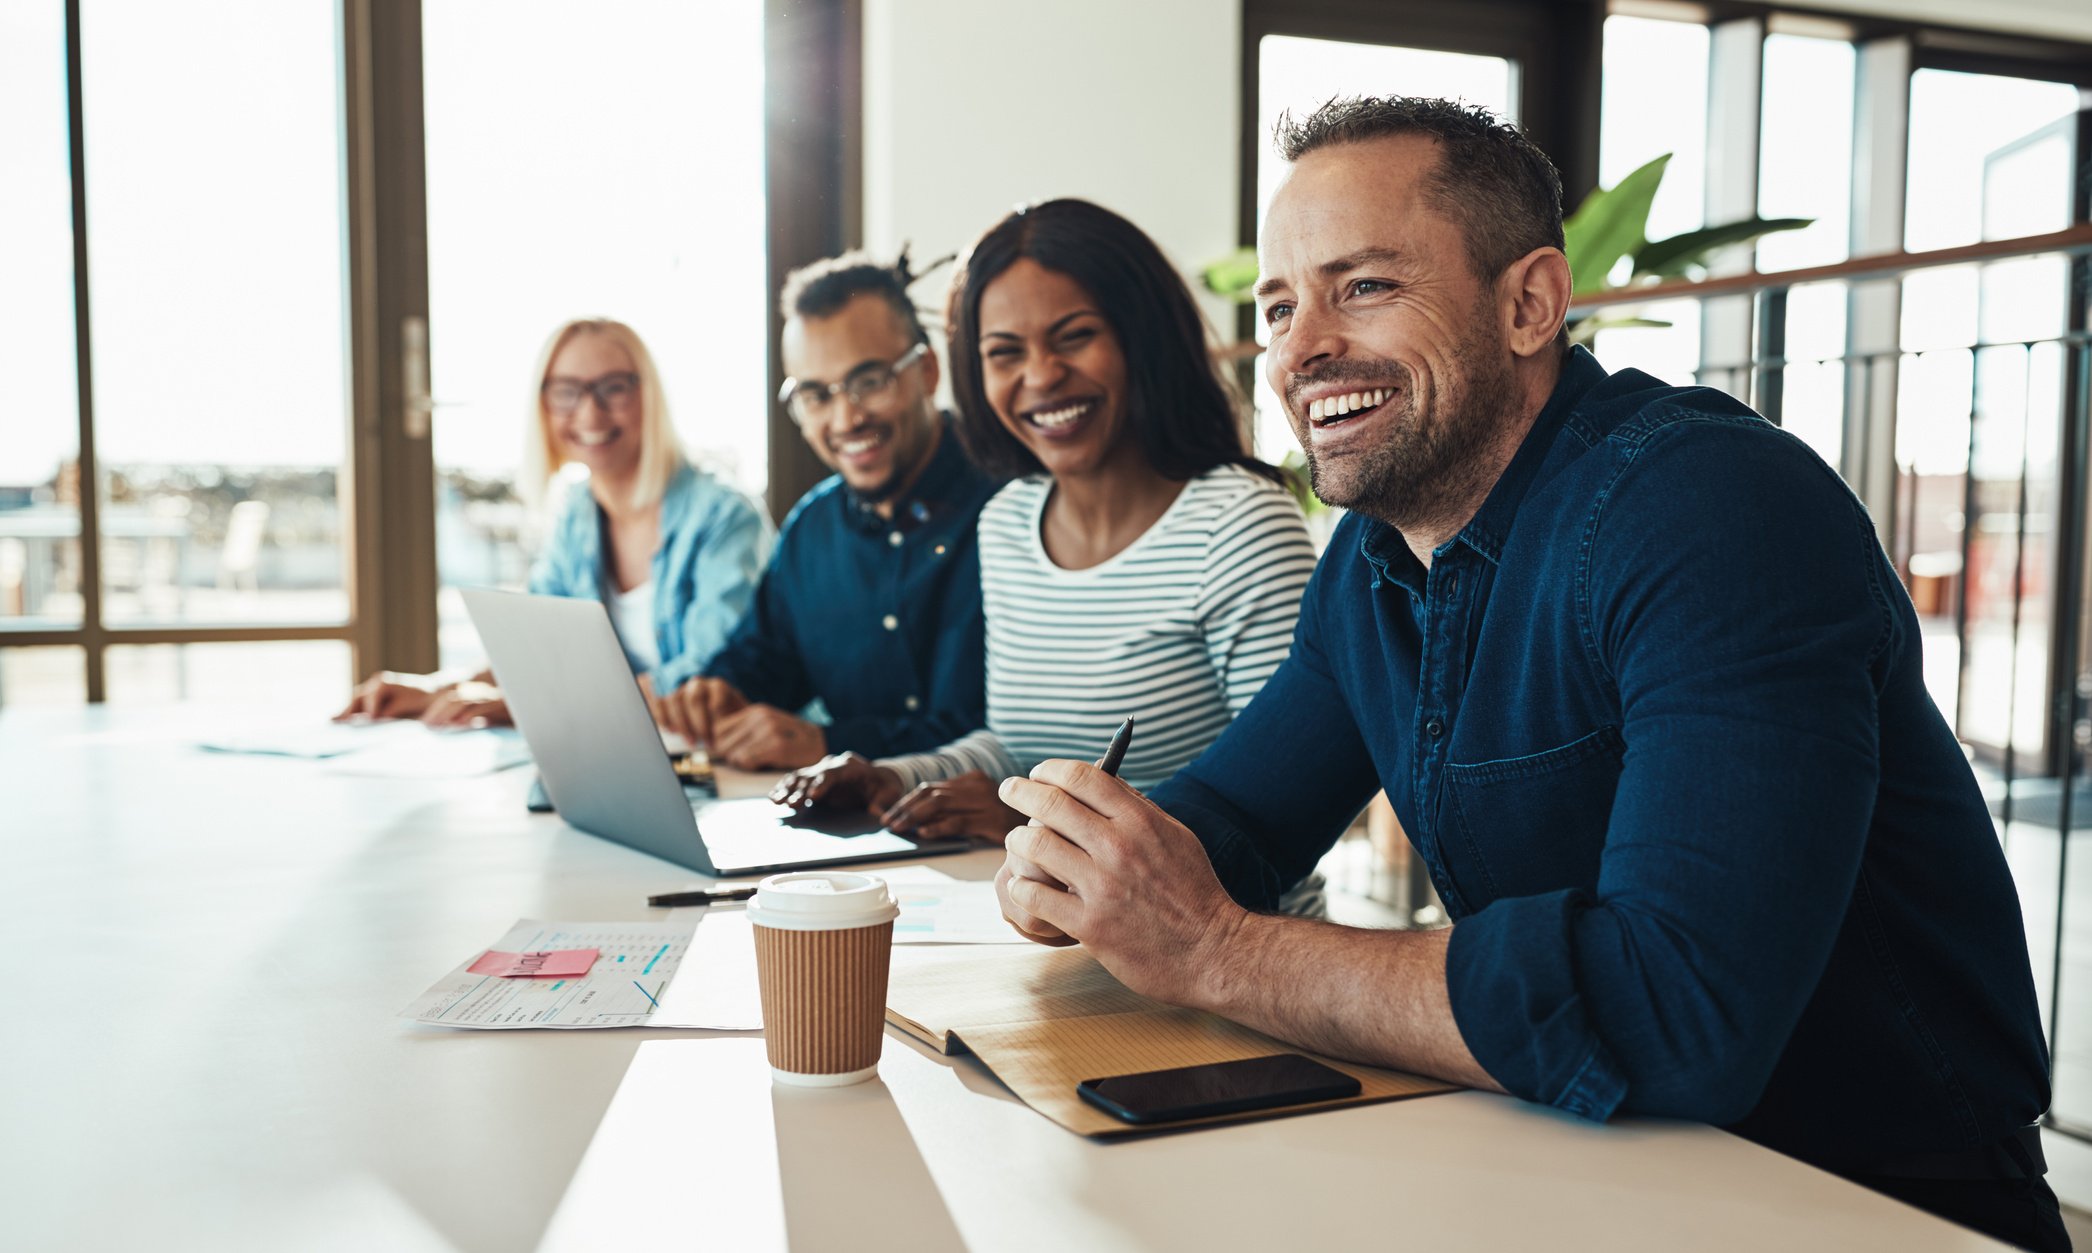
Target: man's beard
(1435,462)
(911,450)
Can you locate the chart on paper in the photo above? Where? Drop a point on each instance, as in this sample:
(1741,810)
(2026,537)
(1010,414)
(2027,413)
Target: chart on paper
(635,964)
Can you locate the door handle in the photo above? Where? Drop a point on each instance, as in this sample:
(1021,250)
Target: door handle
(416,402)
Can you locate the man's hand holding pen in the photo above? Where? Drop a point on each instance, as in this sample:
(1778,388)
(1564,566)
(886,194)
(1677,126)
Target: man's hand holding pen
(1106,867)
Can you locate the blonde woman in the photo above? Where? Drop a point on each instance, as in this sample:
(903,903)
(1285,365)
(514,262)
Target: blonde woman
(673,553)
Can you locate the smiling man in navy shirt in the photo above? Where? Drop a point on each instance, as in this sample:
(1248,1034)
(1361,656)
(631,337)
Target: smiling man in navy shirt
(1645,692)
(871,605)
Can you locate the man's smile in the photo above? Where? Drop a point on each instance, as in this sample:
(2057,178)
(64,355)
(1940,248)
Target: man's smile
(862,446)
(1324,411)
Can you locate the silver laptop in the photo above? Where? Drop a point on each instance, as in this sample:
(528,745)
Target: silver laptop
(601,760)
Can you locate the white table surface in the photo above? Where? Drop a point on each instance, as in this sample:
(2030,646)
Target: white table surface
(203,1052)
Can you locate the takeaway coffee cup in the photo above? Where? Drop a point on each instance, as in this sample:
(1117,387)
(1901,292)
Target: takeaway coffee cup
(823,940)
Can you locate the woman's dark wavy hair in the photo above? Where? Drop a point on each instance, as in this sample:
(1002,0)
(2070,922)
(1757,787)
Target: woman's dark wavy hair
(1180,407)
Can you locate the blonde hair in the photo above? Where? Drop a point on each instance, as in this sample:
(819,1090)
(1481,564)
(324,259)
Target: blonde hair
(660,453)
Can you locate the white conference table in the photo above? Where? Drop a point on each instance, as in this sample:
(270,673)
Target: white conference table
(209,953)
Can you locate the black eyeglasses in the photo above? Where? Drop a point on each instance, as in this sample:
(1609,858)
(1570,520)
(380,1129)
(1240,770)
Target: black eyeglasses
(811,402)
(612,391)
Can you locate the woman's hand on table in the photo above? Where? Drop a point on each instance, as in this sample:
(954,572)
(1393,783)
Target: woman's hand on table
(389,694)
(944,809)
(468,705)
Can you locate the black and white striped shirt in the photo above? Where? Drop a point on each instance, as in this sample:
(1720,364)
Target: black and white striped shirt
(1180,630)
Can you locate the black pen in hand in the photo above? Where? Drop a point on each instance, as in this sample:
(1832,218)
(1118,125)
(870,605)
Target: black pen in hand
(1115,752)
(1114,756)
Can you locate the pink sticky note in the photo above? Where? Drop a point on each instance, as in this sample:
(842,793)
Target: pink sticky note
(566,961)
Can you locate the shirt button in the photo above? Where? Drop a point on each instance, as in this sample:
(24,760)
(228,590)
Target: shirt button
(890,622)
(1435,728)
(912,704)
(939,550)
(894,538)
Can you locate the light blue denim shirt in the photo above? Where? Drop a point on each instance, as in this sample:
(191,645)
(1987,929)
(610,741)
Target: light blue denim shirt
(714,542)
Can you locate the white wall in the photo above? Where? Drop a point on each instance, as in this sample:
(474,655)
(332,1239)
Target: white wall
(972,107)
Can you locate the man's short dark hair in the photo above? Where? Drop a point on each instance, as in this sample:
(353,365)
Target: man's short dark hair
(1493,182)
(820,290)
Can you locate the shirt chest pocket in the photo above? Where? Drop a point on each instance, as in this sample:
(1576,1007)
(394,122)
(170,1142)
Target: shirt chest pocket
(1519,826)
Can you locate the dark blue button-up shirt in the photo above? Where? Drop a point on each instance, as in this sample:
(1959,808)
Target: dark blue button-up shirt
(879,619)
(1656,722)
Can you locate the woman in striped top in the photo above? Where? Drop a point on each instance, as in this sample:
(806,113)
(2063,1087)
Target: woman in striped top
(1141,562)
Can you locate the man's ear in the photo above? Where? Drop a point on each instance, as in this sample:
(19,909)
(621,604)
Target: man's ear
(1534,294)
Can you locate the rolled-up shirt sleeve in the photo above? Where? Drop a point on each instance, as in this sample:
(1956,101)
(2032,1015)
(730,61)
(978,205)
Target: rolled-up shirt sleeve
(1736,594)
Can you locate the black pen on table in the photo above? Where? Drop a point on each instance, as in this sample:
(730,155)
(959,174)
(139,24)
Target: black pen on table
(669,899)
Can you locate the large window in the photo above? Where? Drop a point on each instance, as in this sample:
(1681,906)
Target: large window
(40,449)
(1986,162)
(606,168)
(209,502)
(1655,102)
(1805,171)
(219,375)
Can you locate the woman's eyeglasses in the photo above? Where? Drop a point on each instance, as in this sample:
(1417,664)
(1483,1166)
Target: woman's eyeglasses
(812,402)
(612,391)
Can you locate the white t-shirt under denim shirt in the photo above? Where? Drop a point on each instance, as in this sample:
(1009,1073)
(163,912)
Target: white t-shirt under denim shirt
(632,613)
(1179,630)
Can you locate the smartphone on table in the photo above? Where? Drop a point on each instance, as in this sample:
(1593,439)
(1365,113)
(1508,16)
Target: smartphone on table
(1157,1096)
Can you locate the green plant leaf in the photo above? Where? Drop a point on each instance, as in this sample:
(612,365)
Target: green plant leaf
(1670,258)
(1610,224)
(1233,276)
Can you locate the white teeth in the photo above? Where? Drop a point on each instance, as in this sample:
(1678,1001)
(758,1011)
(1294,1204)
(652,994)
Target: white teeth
(1061,417)
(865,443)
(1328,407)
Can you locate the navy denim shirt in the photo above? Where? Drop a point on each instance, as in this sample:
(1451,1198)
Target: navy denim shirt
(1655,720)
(879,619)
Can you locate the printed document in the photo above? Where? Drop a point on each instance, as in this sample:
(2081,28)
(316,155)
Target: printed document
(634,976)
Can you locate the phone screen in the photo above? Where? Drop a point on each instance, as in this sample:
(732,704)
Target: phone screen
(1219,1088)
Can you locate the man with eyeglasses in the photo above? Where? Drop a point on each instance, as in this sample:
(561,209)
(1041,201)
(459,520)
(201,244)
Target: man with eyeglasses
(870,611)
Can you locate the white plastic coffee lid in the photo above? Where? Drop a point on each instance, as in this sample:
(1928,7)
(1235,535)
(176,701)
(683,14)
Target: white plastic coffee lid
(821,900)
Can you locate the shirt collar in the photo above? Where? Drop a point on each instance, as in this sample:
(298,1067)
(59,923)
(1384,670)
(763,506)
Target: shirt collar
(931,492)
(1382,545)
